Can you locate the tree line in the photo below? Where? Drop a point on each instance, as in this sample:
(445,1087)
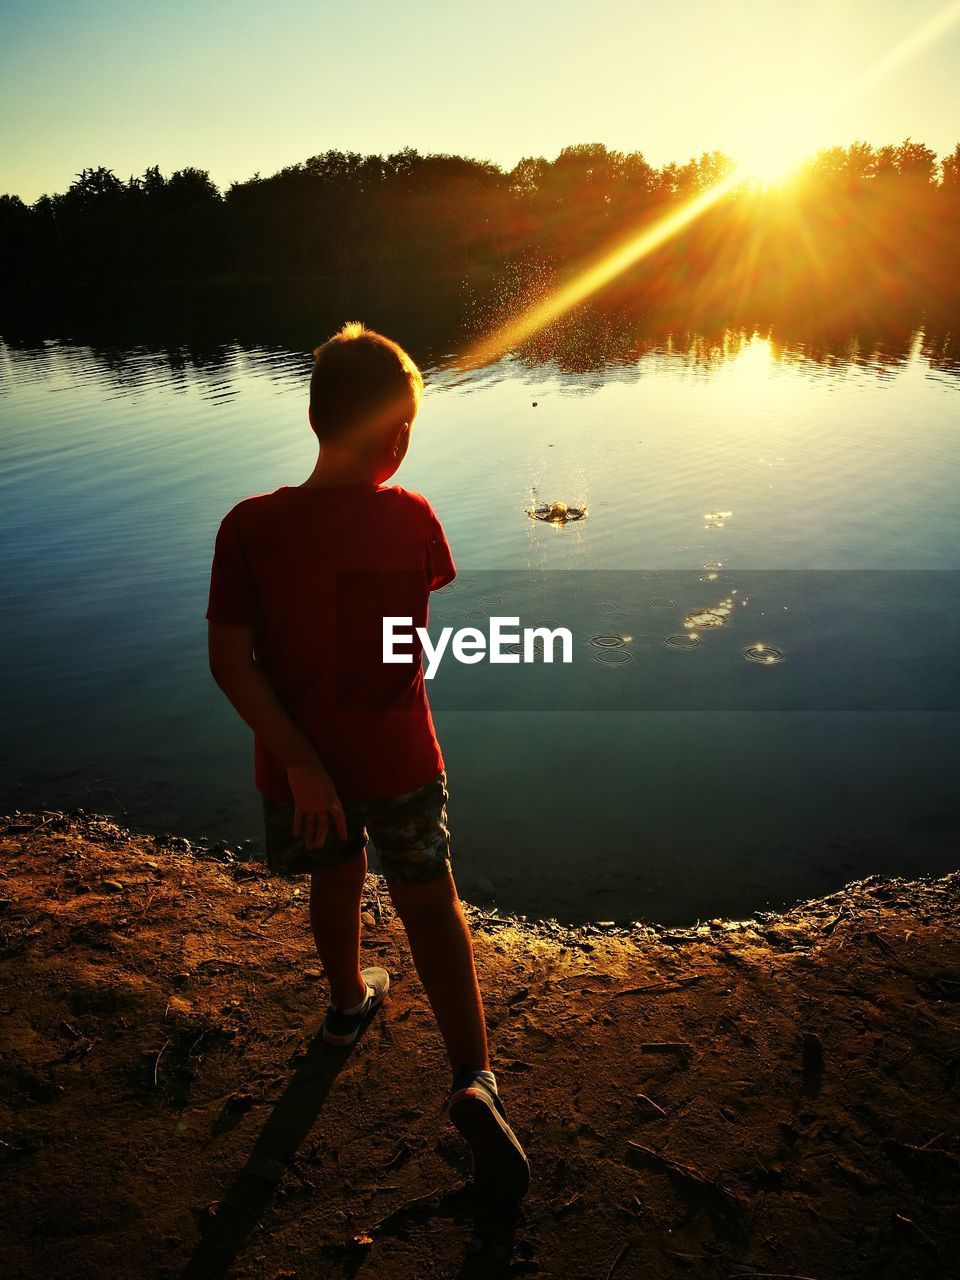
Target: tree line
(886,215)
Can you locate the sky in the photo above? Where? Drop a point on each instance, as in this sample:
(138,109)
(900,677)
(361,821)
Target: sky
(236,87)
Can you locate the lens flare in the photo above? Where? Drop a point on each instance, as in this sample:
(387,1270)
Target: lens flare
(597,274)
(778,152)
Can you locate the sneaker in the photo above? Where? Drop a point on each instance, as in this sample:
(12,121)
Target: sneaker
(500,1167)
(342,1028)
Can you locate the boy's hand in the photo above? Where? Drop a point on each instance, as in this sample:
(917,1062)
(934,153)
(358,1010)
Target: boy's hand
(315,801)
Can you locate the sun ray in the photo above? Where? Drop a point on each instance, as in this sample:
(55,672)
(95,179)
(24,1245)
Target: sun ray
(594,276)
(936,25)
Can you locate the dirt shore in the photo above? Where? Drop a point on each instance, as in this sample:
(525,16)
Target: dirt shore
(773,1097)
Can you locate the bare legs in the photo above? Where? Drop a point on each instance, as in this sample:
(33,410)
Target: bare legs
(439,943)
(443,954)
(335,921)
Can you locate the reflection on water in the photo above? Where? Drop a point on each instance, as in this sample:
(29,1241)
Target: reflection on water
(763,653)
(716,615)
(804,451)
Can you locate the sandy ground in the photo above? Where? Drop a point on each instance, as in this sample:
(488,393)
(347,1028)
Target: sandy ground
(771,1098)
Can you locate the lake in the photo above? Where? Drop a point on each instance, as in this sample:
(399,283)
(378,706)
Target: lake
(762,593)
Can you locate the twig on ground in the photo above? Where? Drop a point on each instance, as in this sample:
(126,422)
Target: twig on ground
(156,1065)
(901,1220)
(301,1178)
(642,1097)
(487,918)
(935,1154)
(688,1173)
(930,1141)
(769,1275)
(407,1204)
(619,1258)
(568,1204)
(399,1156)
(829,928)
(672,984)
(667,1046)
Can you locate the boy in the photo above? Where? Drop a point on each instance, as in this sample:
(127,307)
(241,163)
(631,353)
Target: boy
(301,580)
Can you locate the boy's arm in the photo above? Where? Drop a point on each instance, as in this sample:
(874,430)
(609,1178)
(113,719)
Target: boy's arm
(440,566)
(242,679)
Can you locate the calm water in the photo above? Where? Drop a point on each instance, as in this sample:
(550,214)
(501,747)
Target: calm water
(807,492)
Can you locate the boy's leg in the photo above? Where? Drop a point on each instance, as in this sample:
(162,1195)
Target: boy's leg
(413,842)
(414,847)
(443,954)
(335,896)
(337,873)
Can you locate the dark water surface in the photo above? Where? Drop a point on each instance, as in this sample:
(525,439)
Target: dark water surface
(740,491)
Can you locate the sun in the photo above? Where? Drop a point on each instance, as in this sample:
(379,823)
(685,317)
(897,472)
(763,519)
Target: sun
(773,164)
(773,151)
(771,170)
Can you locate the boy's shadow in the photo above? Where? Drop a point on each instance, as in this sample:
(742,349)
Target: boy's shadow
(238,1214)
(223,1235)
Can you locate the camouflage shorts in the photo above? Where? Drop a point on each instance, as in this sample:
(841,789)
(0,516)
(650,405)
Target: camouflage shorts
(409,831)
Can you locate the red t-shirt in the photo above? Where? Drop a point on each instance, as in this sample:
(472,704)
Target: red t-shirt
(314,572)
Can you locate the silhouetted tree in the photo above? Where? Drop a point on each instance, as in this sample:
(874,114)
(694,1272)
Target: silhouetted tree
(872,223)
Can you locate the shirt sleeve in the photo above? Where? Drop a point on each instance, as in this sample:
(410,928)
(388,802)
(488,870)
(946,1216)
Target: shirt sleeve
(232,597)
(440,566)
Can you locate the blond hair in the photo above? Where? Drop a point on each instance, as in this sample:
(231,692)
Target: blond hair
(361,378)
